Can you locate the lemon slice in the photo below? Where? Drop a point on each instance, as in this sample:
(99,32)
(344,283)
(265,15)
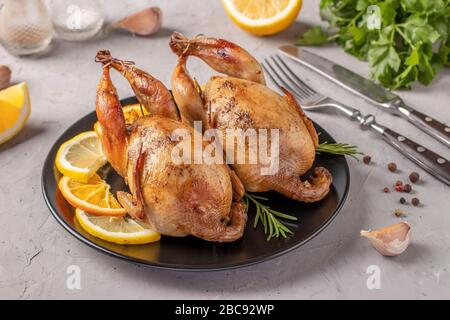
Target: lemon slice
(81,156)
(130,112)
(120,230)
(15,109)
(263,17)
(94,196)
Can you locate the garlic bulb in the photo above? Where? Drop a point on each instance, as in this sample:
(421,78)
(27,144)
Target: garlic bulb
(5,76)
(143,23)
(390,241)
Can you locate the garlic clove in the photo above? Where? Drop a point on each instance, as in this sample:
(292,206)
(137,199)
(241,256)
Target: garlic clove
(390,241)
(143,23)
(5,77)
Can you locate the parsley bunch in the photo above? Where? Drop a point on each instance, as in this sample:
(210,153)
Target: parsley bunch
(412,43)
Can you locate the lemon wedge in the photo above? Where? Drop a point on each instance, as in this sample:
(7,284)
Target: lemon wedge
(81,156)
(120,230)
(263,17)
(94,196)
(15,109)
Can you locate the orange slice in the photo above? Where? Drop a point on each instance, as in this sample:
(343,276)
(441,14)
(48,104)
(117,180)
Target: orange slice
(94,197)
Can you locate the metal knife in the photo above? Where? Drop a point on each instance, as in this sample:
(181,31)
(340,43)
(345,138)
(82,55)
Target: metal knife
(370,91)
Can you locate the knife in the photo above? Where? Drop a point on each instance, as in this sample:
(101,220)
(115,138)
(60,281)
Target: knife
(369,91)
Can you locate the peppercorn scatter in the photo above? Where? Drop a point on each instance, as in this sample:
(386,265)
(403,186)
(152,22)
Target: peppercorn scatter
(400,186)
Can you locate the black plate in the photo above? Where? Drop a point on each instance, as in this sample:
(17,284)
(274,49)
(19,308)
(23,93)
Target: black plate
(192,254)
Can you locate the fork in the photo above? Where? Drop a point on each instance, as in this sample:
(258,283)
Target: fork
(282,76)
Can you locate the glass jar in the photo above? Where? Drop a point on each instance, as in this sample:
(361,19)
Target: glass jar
(25,26)
(77,20)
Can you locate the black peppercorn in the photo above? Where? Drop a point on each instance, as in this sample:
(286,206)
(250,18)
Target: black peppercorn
(415,202)
(414,177)
(407,188)
(392,167)
(402,200)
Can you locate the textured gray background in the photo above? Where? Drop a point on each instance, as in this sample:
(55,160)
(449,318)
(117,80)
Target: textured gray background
(35,251)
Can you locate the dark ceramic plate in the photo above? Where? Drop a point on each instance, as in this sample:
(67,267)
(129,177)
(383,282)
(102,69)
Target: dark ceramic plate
(191,254)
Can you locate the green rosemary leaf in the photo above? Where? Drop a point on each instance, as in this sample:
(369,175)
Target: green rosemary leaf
(258,216)
(259,198)
(283,215)
(270,222)
(264,219)
(341,149)
(246,203)
(286,230)
(277,227)
(269,218)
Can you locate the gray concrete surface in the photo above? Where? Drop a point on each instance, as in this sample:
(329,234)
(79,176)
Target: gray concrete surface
(35,251)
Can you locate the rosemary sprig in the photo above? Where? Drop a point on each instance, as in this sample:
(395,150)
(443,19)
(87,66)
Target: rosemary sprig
(338,149)
(268,217)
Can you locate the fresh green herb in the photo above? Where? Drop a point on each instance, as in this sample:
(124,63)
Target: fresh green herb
(412,42)
(268,217)
(338,149)
(313,37)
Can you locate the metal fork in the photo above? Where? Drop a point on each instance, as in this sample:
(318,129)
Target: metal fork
(282,76)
